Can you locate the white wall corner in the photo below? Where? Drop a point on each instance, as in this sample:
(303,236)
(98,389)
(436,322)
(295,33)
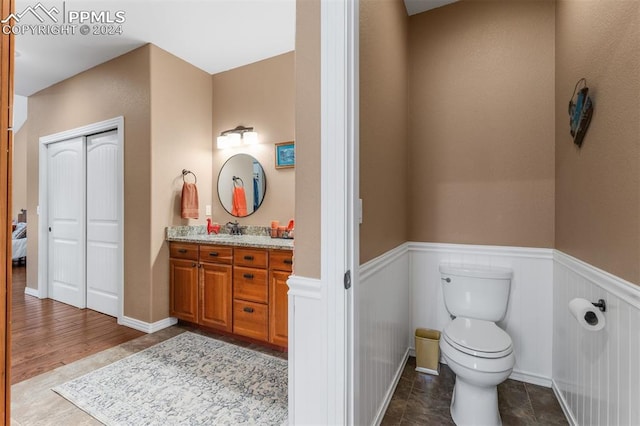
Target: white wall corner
(308,367)
(32,292)
(147,327)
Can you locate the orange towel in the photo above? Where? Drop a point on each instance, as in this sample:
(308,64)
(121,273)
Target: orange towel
(239,202)
(189,201)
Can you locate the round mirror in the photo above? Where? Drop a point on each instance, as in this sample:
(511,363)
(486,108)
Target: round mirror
(241,185)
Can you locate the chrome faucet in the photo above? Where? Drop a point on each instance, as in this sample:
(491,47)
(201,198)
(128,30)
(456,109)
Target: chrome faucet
(234,228)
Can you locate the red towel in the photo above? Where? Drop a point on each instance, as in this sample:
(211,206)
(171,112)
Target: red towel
(239,202)
(189,201)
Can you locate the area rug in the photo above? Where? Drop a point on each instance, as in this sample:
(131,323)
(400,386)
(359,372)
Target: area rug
(187,380)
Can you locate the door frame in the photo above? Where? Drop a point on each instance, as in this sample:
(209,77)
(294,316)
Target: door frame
(6,167)
(340,206)
(117,124)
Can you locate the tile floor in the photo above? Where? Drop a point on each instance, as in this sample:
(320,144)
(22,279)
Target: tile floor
(34,403)
(422,399)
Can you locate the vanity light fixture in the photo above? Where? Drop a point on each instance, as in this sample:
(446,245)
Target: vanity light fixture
(236,137)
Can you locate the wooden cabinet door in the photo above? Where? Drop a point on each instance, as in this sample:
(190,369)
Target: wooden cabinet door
(216,296)
(183,280)
(278,308)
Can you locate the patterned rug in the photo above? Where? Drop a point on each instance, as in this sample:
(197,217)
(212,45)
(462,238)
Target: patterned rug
(187,380)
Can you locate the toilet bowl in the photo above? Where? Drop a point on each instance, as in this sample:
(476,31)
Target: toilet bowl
(481,358)
(478,351)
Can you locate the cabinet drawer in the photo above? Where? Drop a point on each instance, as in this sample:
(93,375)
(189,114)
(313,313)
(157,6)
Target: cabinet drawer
(254,258)
(250,284)
(183,251)
(281,260)
(250,319)
(216,254)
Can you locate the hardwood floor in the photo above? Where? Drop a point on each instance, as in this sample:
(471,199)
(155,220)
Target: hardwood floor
(47,334)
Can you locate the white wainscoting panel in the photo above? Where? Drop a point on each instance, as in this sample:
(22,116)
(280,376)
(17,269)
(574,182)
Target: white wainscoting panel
(382,341)
(596,375)
(529,319)
(308,358)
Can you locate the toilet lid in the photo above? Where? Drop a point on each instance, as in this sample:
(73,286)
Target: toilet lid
(477,337)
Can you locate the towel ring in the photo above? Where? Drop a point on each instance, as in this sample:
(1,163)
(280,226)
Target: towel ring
(236,179)
(186,172)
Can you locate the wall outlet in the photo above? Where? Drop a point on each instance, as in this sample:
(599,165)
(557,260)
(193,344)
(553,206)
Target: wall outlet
(207,210)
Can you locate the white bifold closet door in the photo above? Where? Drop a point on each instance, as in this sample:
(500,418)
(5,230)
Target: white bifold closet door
(66,205)
(85,222)
(103,224)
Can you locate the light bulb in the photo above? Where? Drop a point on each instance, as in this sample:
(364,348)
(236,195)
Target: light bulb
(250,138)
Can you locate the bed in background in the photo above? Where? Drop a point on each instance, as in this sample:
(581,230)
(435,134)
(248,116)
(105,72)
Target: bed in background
(19,239)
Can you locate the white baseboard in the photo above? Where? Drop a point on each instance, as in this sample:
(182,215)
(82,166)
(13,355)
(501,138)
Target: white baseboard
(146,327)
(563,404)
(32,292)
(534,379)
(392,388)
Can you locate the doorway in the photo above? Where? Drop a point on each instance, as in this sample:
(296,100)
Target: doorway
(80,260)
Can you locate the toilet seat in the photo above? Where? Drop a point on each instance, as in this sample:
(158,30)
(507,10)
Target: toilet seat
(479,338)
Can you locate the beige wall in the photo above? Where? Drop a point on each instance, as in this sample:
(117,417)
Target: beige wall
(481,124)
(598,186)
(383,126)
(115,88)
(261,95)
(181,111)
(307,128)
(19,189)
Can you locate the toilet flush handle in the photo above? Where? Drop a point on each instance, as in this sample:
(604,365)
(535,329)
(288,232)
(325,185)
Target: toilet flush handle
(447,279)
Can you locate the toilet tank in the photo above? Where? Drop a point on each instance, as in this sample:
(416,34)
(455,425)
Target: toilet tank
(475,291)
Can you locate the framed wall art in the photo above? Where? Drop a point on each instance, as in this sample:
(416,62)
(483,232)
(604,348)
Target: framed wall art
(285,155)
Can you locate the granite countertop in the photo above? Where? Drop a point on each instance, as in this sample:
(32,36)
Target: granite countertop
(198,234)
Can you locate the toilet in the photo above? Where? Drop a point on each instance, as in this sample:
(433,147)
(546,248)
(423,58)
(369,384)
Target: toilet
(478,351)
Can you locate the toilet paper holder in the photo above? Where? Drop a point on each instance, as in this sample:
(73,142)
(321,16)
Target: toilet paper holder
(601,304)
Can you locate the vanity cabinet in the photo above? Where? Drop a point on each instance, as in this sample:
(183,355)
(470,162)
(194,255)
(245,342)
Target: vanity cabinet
(280,266)
(200,285)
(233,289)
(183,279)
(251,293)
(215,281)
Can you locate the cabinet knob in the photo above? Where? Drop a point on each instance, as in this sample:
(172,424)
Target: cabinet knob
(194,264)
(248,258)
(248,309)
(213,253)
(182,250)
(248,276)
(288,262)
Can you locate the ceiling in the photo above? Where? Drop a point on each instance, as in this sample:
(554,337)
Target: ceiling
(213,35)
(419,6)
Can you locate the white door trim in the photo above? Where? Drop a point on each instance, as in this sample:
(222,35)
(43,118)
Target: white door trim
(43,234)
(339,195)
